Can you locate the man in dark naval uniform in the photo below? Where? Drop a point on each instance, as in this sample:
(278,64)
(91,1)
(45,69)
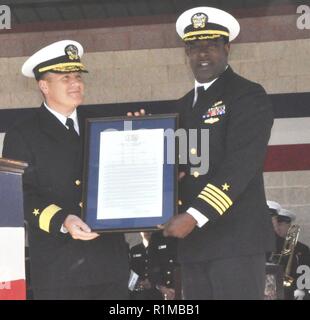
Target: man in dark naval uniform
(154,261)
(224,225)
(68,260)
(163,251)
(141,264)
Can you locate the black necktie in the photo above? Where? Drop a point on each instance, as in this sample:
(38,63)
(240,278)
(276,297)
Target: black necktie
(71,130)
(200,94)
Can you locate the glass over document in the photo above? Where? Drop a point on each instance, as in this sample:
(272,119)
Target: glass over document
(130,183)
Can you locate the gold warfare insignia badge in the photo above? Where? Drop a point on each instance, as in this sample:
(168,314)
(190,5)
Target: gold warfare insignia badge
(72,52)
(211,120)
(199,20)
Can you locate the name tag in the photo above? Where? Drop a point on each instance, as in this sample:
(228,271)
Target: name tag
(162,247)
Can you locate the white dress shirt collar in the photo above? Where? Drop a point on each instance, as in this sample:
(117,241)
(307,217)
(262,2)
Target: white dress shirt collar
(206,86)
(63,118)
(145,242)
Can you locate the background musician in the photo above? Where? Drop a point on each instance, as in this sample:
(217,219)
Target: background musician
(282,221)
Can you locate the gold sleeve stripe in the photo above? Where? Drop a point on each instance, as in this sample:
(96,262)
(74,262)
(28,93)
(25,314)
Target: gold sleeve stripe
(217,196)
(46,217)
(219,203)
(221,193)
(212,204)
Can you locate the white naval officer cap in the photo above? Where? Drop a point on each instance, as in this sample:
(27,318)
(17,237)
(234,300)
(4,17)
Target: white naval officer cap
(207,23)
(274,207)
(286,216)
(59,57)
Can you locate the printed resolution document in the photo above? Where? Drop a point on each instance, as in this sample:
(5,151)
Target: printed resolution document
(130,182)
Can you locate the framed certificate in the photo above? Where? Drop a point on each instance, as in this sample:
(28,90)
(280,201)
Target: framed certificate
(130,173)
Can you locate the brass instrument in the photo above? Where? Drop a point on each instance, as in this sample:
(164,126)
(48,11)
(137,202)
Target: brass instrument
(287,251)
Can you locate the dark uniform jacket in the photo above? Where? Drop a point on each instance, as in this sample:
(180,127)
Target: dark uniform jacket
(157,263)
(52,190)
(163,254)
(141,264)
(231,195)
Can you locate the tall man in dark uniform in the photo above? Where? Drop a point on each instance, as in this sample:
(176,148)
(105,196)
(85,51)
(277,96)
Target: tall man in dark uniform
(68,261)
(224,225)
